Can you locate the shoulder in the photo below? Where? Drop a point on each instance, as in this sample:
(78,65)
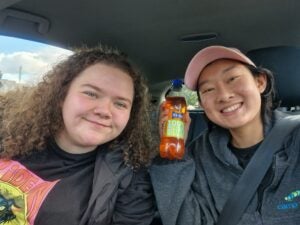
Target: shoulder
(289,122)
(111,167)
(208,138)
(289,128)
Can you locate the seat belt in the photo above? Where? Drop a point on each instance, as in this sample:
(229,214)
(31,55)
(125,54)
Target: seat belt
(255,171)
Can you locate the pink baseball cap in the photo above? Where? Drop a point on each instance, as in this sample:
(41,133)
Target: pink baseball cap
(205,57)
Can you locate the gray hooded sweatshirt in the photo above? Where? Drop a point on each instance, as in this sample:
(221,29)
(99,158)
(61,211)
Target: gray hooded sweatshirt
(194,190)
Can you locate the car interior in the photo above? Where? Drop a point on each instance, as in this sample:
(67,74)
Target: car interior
(160,37)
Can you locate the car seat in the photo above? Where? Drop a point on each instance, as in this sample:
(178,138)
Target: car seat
(283,61)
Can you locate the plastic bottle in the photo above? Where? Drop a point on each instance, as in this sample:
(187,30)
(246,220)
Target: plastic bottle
(172,139)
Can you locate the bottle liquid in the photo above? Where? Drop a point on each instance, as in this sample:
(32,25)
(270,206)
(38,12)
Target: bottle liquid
(172,139)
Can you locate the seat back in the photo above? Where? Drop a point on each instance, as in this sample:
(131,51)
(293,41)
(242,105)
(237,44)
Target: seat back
(198,124)
(284,62)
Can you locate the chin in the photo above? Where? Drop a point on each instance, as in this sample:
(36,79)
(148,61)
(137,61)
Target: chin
(96,140)
(93,142)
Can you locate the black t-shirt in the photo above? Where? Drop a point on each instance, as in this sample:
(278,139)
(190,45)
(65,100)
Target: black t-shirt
(71,176)
(244,154)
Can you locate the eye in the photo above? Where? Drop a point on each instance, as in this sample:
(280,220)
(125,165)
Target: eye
(121,105)
(232,78)
(207,90)
(90,94)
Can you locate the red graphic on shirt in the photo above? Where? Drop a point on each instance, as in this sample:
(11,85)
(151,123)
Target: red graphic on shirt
(21,193)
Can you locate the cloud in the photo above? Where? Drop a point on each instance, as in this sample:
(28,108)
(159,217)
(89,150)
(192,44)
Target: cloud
(31,65)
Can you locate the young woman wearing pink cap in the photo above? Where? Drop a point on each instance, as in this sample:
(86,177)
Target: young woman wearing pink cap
(238,99)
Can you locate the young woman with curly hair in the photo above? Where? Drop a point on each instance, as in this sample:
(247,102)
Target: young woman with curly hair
(75,148)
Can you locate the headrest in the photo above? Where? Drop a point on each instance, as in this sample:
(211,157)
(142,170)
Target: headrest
(284,62)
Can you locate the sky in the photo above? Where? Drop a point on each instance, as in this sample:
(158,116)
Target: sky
(26,61)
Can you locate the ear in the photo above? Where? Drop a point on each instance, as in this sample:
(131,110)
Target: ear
(261,82)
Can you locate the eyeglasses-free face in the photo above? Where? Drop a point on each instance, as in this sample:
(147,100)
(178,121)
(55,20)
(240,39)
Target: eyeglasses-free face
(96,109)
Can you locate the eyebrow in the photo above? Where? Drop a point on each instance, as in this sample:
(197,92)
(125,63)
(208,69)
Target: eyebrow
(100,90)
(223,71)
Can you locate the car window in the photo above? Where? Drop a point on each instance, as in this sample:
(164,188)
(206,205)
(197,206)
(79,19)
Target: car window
(190,97)
(24,62)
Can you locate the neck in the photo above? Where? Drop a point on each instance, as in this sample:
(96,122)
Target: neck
(247,136)
(71,147)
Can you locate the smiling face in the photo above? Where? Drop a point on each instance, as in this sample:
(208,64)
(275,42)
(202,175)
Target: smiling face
(230,95)
(96,109)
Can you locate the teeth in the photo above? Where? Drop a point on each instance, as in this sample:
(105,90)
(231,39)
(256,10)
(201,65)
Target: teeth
(231,108)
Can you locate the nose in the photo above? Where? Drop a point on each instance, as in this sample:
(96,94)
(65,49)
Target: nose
(103,108)
(224,93)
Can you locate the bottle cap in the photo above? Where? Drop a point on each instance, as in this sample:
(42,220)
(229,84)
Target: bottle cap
(177,83)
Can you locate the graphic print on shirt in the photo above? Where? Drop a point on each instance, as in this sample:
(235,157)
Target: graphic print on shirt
(21,193)
(6,209)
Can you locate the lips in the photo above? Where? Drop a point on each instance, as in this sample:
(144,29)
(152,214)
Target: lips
(98,123)
(231,108)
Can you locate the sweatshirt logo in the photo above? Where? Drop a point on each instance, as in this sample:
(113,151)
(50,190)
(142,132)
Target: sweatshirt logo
(292,195)
(290,202)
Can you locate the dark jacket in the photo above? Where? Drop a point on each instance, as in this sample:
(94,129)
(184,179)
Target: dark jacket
(119,193)
(193,191)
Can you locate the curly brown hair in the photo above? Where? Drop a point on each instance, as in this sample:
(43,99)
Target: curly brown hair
(32,115)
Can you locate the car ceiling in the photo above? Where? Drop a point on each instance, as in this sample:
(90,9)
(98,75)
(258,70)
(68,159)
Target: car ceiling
(160,36)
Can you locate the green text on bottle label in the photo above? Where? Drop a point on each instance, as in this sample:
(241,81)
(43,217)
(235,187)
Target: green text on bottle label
(175,128)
